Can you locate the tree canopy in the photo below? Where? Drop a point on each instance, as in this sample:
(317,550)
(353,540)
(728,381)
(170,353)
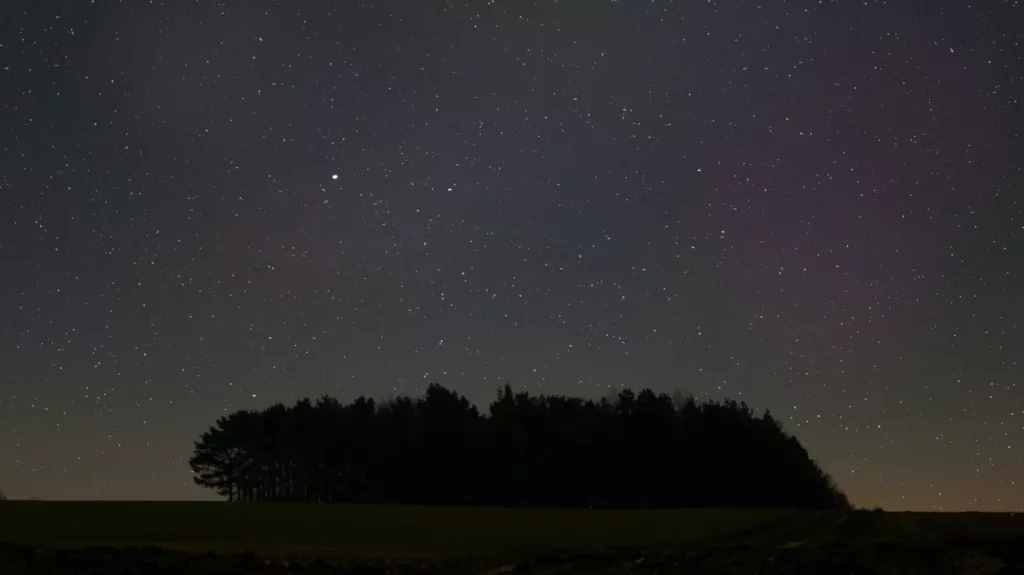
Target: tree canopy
(633,450)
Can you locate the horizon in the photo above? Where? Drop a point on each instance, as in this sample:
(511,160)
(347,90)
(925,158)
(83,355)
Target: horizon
(218,500)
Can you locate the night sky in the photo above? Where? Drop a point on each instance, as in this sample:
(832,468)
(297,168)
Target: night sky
(816,207)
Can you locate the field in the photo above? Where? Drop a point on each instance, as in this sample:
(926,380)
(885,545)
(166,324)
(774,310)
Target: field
(58,538)
(281,529)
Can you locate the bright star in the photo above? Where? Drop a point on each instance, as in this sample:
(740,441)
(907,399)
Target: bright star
(334,177)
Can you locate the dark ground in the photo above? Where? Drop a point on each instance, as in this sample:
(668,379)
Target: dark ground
(859,542)
(345,532)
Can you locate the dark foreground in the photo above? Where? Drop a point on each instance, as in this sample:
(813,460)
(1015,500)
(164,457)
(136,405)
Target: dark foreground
(891,558)
(345,532)
(859,542)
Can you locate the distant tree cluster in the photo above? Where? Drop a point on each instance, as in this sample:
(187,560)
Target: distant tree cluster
(633,450)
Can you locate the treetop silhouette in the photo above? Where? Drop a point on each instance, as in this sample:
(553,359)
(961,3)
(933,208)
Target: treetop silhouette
(634,450)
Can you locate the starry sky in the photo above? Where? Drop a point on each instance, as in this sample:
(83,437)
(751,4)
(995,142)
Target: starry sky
(813,206)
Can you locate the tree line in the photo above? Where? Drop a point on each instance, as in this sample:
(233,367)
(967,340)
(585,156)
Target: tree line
(631,450)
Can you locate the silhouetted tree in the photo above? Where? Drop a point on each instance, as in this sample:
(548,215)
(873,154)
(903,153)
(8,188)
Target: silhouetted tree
(626,450)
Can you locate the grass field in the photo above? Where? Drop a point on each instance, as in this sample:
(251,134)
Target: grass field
(351,531)
(71,538)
